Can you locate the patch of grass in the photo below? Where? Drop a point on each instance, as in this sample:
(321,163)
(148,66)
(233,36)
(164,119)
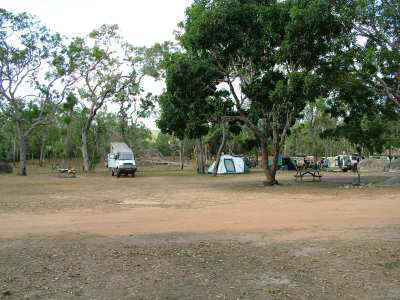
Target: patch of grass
(392,265)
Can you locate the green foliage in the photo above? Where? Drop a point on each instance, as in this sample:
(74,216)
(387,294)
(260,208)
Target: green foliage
(272,55)
(192,100)
(4,138)
(165,144)
(376,59)
(239,140)
(367,118)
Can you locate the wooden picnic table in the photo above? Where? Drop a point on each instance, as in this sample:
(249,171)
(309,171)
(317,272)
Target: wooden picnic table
(67,172)
(308,169)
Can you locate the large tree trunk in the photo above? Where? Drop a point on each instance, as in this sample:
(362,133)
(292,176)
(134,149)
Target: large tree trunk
(84,149)
(22,155)
(200,156)
(269,171)
(220,149)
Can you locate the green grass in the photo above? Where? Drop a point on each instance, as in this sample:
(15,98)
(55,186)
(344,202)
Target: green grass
(392,265)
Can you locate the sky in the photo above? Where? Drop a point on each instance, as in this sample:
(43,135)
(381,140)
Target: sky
(141,22)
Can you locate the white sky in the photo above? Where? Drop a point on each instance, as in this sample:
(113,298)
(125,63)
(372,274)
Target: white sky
(141,22)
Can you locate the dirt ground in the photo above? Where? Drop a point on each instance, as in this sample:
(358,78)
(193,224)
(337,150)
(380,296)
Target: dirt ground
(168,234)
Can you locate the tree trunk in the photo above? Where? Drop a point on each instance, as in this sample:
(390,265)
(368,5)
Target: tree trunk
(14,151)
(42,146)
(220,149)
(96,150)
(256,156)
(200,156)
(205,152)
(22,155)
(181,153)
(269,172)
(84,148)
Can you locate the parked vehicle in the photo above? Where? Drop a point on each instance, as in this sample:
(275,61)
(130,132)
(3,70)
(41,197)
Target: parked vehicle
(121,160)
(346,162)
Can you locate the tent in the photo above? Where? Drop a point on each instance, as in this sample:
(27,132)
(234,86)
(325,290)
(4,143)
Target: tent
(288,164)
(229,165)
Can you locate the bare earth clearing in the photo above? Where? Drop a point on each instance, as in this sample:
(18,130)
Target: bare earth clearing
(173,235)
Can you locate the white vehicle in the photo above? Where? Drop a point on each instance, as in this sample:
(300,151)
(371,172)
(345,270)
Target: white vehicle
(121,160)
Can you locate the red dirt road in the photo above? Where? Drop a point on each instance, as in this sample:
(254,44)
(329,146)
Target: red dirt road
(257,215)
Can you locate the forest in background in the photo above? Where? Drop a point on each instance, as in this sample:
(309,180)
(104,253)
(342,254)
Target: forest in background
(65,100)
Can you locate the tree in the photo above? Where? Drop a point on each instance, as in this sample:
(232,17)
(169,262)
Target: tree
(367,84)
(30,75)
(132,101)
(188,107)
(309,135)
(377,57)
(103,74)
(268,55)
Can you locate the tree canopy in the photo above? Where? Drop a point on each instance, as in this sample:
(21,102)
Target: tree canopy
(265,54)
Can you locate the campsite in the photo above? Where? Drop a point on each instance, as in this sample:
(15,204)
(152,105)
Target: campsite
(200,149)
(173,234)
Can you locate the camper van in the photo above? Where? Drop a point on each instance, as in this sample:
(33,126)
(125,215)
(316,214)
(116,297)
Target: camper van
(121,160)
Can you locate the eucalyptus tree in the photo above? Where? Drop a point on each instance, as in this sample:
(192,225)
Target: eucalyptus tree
(101,75)
(268,54)
(33,77)
(133,102)
(111,71)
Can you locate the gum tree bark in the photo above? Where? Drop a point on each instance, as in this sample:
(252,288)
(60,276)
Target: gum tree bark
(84,149)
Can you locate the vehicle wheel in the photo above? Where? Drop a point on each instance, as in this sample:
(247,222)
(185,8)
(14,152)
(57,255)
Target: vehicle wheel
(118,174)
(133,174)
(112,173)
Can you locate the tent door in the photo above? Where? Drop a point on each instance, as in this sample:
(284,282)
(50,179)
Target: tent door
(229,166)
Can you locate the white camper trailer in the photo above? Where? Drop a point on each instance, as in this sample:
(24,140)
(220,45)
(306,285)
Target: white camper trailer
(121,160)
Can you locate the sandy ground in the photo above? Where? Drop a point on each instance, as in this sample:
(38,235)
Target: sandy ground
(168,234)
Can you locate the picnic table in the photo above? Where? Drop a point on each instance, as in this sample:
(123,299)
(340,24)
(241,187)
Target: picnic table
(308,169)
(71,173)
